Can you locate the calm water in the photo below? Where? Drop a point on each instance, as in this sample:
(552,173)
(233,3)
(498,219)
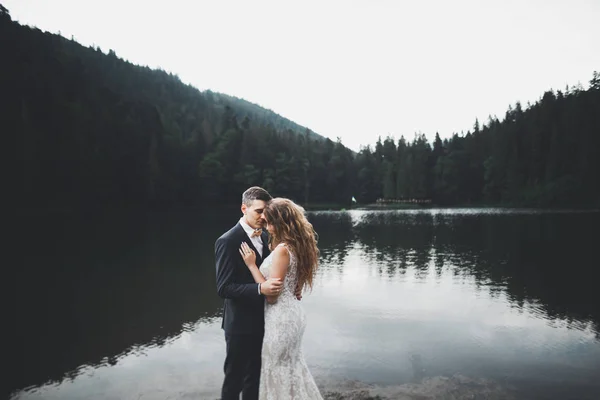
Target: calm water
(124,307)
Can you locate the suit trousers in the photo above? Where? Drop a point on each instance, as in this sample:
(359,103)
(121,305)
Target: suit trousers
(242,366)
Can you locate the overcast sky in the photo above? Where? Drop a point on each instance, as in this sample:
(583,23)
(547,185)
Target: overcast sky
(350,69)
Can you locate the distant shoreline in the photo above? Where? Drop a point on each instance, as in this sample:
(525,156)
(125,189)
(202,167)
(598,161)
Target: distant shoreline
(234,208)
(409,206)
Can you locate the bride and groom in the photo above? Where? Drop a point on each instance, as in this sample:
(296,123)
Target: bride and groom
(261,276)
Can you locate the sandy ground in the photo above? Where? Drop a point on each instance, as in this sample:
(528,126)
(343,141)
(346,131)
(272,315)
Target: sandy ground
(438,388)
(455,387)
(180,388)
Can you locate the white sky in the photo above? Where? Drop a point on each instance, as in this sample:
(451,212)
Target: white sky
(353,69)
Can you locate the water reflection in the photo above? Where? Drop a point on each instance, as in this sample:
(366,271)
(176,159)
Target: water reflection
(335,235)
(402,296)
(89,289)
(535,257)
(495,259)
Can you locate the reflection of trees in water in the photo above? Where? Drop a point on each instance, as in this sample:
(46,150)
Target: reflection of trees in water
(541,258)
(397,240)
(336,236)
(96,287)
(542,261)
(88,290)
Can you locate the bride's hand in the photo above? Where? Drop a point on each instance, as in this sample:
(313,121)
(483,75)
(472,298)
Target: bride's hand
(248,255)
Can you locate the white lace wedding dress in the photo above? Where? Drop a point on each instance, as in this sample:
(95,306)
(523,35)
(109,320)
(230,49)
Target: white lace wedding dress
(284,374)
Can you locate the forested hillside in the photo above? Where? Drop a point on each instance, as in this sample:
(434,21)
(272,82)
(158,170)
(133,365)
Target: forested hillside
(545,155)
(88,129)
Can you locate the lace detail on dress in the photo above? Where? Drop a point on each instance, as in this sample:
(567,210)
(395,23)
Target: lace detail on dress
(284,373)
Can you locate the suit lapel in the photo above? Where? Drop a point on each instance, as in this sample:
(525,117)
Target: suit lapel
(265,239)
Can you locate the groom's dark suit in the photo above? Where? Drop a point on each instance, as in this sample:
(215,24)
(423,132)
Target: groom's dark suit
(243,314)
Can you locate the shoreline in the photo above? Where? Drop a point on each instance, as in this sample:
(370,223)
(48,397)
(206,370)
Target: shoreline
(438,387)
(455,387)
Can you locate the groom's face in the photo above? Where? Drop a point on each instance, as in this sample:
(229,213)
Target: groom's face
(253,213)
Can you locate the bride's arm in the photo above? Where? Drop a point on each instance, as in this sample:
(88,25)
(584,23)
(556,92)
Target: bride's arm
(281,262)
(267,287)
(256,274)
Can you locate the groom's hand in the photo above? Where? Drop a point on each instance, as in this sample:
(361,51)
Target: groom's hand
(271,287)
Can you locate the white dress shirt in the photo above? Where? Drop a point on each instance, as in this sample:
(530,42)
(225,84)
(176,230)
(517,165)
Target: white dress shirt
(256,241)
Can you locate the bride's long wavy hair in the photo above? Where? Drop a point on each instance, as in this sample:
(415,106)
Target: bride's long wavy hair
(291,227)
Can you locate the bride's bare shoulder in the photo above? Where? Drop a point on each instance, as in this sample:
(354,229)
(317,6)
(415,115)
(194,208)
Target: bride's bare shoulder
(281,250)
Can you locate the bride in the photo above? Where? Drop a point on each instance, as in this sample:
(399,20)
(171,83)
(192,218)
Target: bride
(294,258)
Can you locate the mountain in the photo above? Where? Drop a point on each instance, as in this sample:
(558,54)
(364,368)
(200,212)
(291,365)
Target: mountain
(86,128)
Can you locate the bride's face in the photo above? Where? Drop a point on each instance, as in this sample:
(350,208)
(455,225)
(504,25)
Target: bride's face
(267,225)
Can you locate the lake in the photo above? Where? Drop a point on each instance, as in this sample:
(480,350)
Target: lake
(435,303)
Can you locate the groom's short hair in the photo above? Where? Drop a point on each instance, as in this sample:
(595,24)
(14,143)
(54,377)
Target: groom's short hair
(255,193)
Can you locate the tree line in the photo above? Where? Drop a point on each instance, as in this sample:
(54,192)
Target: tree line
(87,128)
(547,154)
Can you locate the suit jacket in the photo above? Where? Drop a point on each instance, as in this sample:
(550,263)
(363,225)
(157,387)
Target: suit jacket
(243,311)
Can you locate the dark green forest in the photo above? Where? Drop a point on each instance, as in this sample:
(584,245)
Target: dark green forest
(89,129)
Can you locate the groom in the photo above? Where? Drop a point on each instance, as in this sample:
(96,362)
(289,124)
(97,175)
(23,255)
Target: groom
(243,312)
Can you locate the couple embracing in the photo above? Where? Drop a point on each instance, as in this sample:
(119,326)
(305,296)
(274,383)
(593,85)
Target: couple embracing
(261,277)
